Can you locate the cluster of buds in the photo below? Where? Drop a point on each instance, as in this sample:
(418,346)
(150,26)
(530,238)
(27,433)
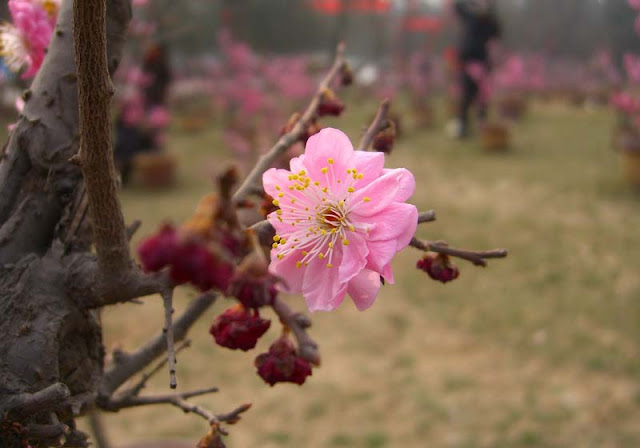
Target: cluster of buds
(282,364)
(439,267)
(239,328)
(209,251)
(197,253)
(385,139)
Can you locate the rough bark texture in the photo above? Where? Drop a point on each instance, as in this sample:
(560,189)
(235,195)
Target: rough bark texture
(49,335)
(96,158)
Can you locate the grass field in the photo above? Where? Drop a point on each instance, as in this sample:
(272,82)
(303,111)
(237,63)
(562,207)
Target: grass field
(539,350)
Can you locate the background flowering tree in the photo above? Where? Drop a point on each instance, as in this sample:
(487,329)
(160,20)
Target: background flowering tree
(64,245)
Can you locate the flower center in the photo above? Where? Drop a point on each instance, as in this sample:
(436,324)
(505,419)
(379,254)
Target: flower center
(318,213)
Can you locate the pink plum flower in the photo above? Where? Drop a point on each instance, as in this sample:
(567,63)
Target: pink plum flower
(341,219)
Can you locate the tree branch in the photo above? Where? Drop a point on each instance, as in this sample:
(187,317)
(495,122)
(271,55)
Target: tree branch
(298,323)
(180,401)
(264,163)
(122,402)
(26,404)
(137,388)
(427,216)
(378,124)
(478,258)
(126,365)
(96,159)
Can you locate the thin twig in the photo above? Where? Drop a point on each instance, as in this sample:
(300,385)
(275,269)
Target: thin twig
(427,216)
(298,323)
(288,139)
(233,416)
(137,388)
(122,402)
(378,124)
(97,429)
(180,401)
(167,300)
(133,228)
(126,365)
(478,258)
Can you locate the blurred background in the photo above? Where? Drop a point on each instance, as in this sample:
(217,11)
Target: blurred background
(539,350)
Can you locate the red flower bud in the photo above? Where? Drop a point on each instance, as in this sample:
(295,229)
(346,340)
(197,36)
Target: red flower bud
(253,286)
(439,267)
(346,76)
(194,263)
(238,328)
(267,206)
(282,364)
(385,139)
(157,251)
(330,104)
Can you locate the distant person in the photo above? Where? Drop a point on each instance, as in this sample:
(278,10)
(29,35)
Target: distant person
(143,118)
(480,26)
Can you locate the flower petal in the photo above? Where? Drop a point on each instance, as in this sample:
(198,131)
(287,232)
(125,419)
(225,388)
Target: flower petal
(396,222)
(380,254)
(275,177)
(387,273)
(321,287)
(287,270)
(328,144)
(393,186)
(369,164)
(354,257)
(364,288)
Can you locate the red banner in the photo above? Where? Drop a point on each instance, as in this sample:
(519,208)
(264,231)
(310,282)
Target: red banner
(422,24)
(335,7)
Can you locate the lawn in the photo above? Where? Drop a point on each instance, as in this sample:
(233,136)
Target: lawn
(541,349)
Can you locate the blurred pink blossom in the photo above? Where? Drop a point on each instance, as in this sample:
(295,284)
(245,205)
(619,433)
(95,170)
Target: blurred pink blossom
(23,42)
(158,117)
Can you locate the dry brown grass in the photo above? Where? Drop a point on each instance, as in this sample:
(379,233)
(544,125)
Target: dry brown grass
(539,350)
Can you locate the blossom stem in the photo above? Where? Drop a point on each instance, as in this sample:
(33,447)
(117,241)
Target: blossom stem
(478,258)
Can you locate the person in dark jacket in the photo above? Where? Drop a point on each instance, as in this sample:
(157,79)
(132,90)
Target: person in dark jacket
(133,137)
(480,26)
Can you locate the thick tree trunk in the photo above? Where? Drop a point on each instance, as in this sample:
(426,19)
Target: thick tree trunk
(48,335)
